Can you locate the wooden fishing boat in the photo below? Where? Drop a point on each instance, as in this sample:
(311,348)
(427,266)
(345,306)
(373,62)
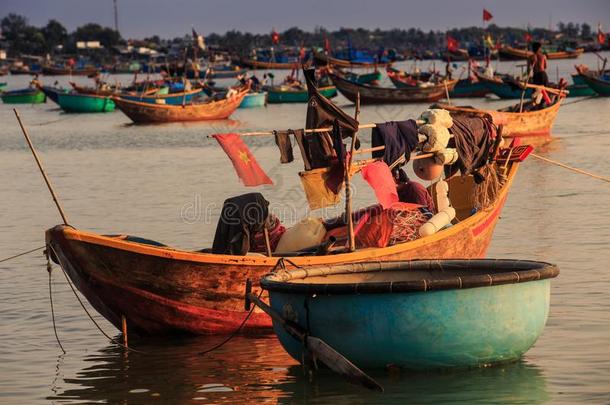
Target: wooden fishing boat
(463,88)
(225,73)
(321,59)
(259,64)
(598,83)
(85,103)
(254,100)
(290,94)
(372,78)
(533,127)
(142,112)
(425,314)
(579,88)
(383,95)
(502,88)
(66,71)
(160,289)
(510,53)
(155,97)
(23,96)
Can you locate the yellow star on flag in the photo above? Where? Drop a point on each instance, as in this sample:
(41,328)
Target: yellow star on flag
(244,157)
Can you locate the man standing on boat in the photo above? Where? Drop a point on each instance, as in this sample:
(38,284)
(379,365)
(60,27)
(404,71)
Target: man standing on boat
(537,63)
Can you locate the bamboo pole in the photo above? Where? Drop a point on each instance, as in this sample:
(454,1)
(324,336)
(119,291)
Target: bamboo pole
(348,191)
(124,330)
(39,163)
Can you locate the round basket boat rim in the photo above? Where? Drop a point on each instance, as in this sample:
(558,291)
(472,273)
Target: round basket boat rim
(502,271)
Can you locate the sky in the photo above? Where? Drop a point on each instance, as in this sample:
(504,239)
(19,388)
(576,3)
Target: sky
(173,18)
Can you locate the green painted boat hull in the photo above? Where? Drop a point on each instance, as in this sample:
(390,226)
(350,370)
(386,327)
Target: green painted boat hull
(422,330)
(580,90)
(83,103)
(36,97)
(254,100)
(301,96)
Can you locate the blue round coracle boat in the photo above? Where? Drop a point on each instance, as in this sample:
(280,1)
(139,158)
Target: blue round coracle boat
(416,314)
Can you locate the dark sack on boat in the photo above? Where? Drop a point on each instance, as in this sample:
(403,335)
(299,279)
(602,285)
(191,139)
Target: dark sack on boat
(241,218)
(473,137)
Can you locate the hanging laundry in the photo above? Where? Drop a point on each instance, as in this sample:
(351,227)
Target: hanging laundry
(299,136)
(240,219)
(321,113)
(398,137)
(473,137)
(379,177)
(246,166)
(318,194)
(282,140)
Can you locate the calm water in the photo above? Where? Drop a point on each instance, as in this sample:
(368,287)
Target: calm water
(168,183)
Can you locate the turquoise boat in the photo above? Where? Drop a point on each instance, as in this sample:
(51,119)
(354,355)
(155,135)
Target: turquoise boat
(287,94)
(2,85)
(363,78)
(24,96)
(167,98)
(254,100)
(503,89)
(599,84)
(85,103)
(467,88)
(428,314)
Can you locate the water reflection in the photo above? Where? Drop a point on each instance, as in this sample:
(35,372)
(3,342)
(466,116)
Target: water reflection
(257,370)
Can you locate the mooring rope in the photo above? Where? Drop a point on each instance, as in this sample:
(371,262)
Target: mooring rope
(112,340)
(578,101)
(53,310)
(574,169)
(6,259)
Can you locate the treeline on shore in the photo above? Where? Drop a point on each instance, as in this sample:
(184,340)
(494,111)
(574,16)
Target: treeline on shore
(19,38)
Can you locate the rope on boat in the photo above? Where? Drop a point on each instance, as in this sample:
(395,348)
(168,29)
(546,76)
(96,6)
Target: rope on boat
(89,314)
(578,101)
(49,268)
(233,334)
(6,259)
(574,169)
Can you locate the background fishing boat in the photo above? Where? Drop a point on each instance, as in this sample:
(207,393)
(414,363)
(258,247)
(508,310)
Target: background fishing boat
(416,314)
(261,64)
(254,100)
(85,103)
(533,127)
(384,95)
(598,82)
(2,86)
(176,98)
(23,96)
(67,71)
(163,290)
(290,94)
(321,60)
(510,53)
(361,78)
(503,86)
(148,113)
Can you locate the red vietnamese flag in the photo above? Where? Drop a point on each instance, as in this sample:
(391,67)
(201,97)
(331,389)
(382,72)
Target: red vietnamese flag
(245,164)
(487,15)
(327,45)
(452,44)
(275,37)
(527,37)
(601,37)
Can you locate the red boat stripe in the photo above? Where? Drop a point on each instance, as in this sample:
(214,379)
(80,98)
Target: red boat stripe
(477,230)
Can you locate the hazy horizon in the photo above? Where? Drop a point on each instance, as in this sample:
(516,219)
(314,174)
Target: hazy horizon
(143,18)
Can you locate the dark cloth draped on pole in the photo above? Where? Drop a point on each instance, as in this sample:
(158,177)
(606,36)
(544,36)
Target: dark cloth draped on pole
(322,113)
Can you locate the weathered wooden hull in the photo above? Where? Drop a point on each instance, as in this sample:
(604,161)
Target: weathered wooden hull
(277,95)
(413,315)
(324,60)
(384,95)
(144,113)
(256,64)
(533,127)
(85,103)
(23,97)
(601,87)
(171,98)
(55,71)
(162,290)
(510,53)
